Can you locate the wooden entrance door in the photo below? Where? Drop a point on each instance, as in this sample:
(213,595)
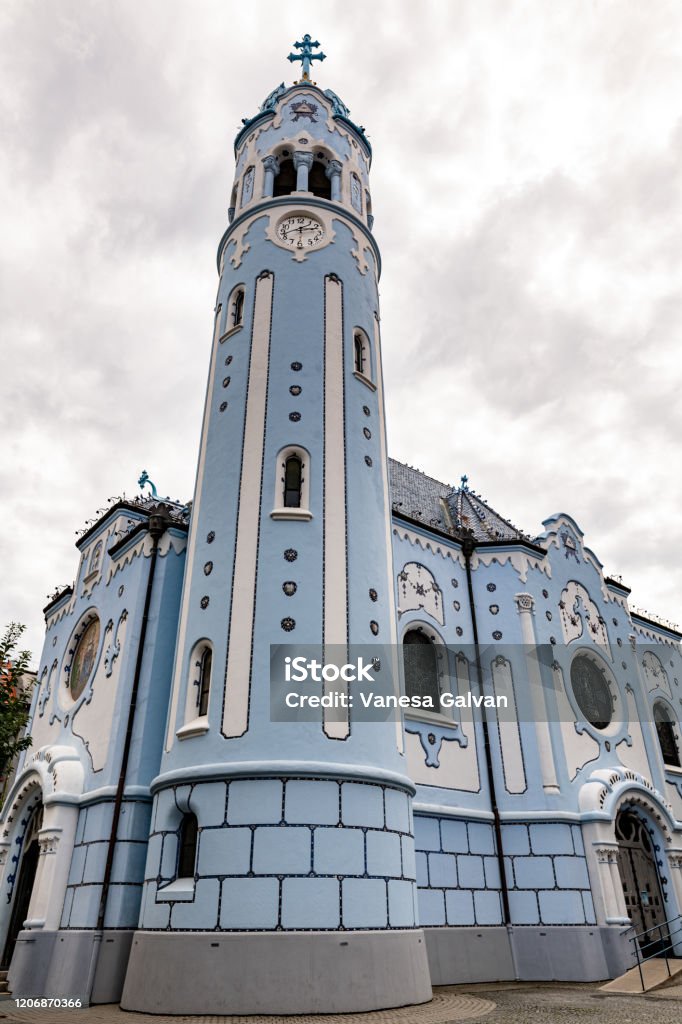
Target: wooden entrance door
(639,875)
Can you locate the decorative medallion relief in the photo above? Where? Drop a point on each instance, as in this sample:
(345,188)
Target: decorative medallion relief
(656,675)
(418,590)
(580,616)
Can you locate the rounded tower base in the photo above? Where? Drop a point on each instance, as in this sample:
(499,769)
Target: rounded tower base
(294,972)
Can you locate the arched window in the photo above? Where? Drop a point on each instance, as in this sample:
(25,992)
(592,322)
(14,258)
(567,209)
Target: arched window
(285,181)
(236,308)
(293,479)
(187,846)
(666,735)
(204,685)
(359,349)
(292,484)
(362,362)
(318,182)
(420,659)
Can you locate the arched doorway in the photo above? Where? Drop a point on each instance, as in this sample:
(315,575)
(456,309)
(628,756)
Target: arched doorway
(28,867)
(639,874)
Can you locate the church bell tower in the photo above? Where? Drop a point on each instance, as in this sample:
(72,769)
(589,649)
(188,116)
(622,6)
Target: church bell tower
(280,876)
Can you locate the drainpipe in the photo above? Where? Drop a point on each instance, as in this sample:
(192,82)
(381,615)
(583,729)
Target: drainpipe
(468,545)
(156,526)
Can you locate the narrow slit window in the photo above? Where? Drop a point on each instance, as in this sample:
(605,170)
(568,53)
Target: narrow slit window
(666,736)
(238,308)
(187,846)
(293,479)
(362,363)
(359,354)
(205,667)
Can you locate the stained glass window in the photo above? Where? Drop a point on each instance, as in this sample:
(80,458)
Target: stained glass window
(591,692)
(84,659)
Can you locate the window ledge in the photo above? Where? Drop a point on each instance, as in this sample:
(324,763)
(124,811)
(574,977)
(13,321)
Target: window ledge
(431,717)
(232,330)
(291,513)
(672,768)
(364,380)
(197,727)
(178,889)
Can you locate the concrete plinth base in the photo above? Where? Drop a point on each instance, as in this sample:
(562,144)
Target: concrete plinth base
(465,955)
(570,954)
(66,964)
(286,972)
(469,955)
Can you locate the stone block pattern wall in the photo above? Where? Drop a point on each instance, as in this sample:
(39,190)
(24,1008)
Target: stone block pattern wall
(459,880)
(547,874)
(284,855)
(457,873)
(84,888)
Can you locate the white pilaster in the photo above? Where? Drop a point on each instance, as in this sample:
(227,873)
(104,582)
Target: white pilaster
(525,604)
(335,616)
(238,675)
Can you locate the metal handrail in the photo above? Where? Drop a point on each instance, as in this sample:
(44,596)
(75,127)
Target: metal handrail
(654,926)
(664,949)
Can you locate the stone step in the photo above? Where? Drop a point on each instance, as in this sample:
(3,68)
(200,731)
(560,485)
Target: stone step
(654,974)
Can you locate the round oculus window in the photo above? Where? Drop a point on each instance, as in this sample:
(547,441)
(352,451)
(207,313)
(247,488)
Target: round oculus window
(591,692)
(84,659)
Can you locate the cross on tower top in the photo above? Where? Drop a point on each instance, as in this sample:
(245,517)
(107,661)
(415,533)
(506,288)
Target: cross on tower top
(306,56)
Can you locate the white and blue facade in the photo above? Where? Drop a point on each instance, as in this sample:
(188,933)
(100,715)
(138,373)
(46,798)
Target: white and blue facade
(184,838)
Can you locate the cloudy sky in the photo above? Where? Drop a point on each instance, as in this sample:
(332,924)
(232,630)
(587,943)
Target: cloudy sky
(526,187)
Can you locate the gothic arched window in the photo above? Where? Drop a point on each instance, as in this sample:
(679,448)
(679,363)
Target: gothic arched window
(293,480)
(204,685)
(666,735)
(187,846)
(420,659)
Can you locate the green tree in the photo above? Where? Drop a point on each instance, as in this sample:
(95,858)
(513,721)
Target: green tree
(15,685)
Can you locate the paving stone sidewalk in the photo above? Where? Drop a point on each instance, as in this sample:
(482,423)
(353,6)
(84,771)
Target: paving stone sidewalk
(522,1003)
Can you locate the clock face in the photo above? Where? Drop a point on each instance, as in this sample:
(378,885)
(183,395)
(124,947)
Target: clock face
(300,231)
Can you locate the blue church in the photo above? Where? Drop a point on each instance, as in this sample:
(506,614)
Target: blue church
(171,843)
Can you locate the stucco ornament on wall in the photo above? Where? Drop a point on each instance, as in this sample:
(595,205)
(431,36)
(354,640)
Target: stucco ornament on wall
(580,616)
(418,591)
(656,675)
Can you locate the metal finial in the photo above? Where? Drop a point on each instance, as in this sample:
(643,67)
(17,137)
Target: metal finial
(144,479)
(464,482)
(306,56)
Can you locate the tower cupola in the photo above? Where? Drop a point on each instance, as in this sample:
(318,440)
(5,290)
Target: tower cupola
(302,142)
